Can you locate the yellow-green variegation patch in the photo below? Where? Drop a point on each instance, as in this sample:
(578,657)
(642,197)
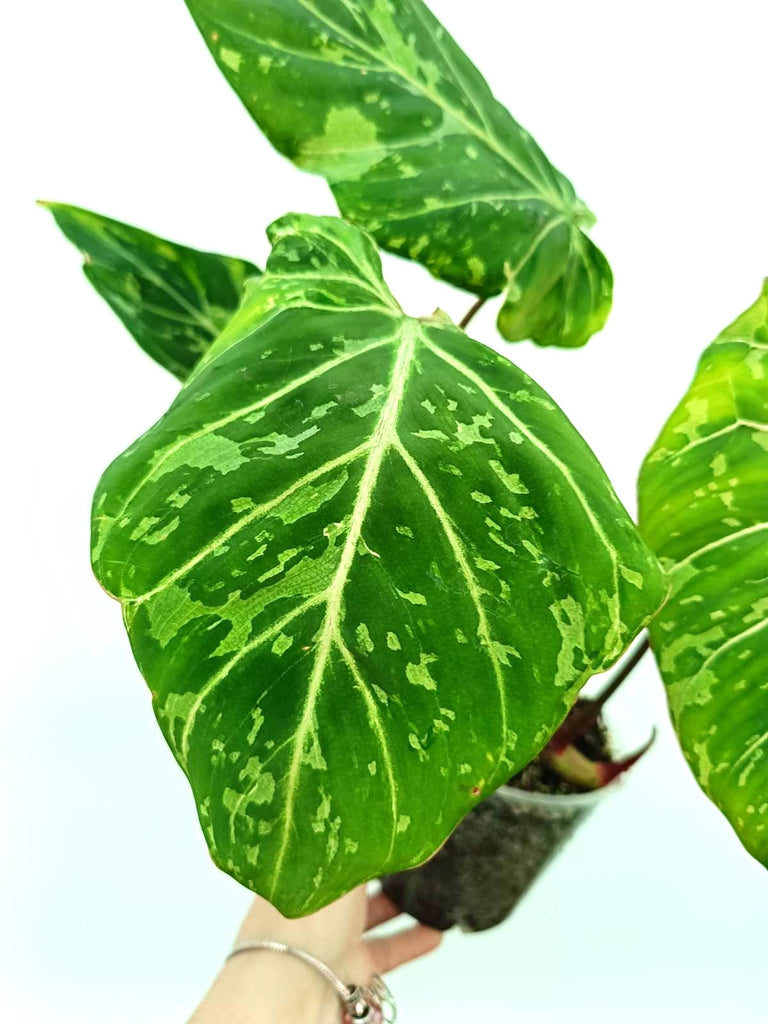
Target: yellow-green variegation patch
(704,510)
(365,565)
(174,300)
(377,97)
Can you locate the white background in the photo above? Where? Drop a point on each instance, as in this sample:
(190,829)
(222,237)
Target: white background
(111,910)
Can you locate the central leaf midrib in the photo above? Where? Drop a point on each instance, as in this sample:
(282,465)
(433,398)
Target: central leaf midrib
(382,438)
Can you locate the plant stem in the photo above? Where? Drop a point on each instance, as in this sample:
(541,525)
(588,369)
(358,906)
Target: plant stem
(586,713)
(474,308)
(624,670)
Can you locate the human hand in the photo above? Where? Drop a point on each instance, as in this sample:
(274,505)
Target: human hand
(270,987)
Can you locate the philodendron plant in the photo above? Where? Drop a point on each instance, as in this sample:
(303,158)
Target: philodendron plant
(366,564)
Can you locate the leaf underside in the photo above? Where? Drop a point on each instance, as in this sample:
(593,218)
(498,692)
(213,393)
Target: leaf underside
(173,300)
(704,510)
(365,565)
(377,97)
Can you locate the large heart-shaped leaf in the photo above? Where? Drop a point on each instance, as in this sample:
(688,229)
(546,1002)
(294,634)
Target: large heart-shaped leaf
(376,96)
(704,510)
(365,565)
(174,300)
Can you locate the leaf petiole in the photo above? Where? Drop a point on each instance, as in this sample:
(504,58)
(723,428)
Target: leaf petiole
(474,308)
(586,713)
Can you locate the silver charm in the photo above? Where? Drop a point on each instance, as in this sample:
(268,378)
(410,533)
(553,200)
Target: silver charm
(386,1001)
(373,1004)
(359,1009)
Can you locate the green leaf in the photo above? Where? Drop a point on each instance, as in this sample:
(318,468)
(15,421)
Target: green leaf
(704,511)
(172,299)
(365,565)
(376,96)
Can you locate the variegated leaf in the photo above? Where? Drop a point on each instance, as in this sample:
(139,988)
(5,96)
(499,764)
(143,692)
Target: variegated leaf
(376,96)
(365,565)
(704,510)
(174,300)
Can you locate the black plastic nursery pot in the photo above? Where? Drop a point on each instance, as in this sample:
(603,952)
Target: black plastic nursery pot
(492,858)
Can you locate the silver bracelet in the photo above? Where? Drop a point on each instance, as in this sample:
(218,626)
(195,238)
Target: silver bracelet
(367,1005)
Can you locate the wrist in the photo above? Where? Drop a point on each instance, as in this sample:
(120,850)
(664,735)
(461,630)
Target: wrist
(265,987)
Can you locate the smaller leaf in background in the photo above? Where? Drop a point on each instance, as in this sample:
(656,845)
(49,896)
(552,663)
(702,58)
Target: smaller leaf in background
(704,511)
(377,97)
(174,300)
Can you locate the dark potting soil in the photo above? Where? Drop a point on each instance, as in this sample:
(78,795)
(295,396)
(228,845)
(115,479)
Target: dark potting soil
(497,851)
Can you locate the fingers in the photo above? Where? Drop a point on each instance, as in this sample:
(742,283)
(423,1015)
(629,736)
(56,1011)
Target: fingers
(391,951)
(380,909)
